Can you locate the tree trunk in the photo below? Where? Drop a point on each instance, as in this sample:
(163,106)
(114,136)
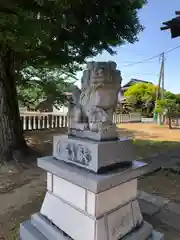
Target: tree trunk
(169,122)
(11,132)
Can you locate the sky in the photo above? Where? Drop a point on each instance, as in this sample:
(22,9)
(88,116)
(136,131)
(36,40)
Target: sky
(152,41)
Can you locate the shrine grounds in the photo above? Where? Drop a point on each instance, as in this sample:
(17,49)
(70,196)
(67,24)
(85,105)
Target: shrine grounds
(22,188)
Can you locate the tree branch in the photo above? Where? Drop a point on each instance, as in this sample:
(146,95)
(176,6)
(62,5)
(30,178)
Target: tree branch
(8,11)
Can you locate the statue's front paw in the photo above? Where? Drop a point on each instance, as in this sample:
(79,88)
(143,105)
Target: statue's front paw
(93,127)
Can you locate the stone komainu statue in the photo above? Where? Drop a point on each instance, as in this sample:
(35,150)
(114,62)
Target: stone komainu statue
(92,107)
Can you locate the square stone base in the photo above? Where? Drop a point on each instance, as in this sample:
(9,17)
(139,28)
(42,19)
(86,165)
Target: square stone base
(83,205)
(91,181)
(94,204)
(93,155)
(39,228)
(111,134)
(79,225)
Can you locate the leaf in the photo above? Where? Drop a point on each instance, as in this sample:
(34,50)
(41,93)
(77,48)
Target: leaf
(42,84)
(62,33)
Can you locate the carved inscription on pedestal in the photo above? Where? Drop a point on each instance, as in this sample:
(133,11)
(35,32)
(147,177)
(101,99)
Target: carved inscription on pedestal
(120,222)
(73,152)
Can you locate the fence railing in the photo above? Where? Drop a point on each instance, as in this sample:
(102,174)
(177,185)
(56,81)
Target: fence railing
(39,121)
(175,122)
(126,118)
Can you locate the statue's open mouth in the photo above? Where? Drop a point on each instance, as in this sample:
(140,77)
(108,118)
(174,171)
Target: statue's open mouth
(98,79)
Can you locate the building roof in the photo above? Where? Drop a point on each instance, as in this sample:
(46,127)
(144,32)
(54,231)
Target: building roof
(133,81)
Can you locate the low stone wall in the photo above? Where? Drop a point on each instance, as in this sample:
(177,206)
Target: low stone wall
(161,209)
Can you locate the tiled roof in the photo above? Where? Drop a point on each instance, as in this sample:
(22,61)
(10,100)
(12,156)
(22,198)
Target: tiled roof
(133,80)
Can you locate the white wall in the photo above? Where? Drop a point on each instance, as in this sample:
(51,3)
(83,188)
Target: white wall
(63,110)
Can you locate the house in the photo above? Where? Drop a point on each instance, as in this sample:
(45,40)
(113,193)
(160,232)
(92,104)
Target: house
(133,81)
(124,88)
(121,106)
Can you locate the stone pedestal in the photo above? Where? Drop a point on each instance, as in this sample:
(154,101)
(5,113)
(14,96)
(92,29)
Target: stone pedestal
(91,178)
(97,156)
(81,204)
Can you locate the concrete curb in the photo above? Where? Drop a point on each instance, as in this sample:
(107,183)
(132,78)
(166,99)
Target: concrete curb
(161,209)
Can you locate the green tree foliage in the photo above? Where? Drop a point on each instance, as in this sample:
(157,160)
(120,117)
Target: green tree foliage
(58,32)
(54,34)
(142,96)
(44,84)
(169,95)
(178,98)
(168,107)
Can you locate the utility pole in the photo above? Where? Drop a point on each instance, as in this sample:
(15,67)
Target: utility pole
(160,79)
(160,89)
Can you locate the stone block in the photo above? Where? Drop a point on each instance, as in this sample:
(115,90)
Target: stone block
(93,182)
(93,155)
(157,236)
(169,218)
(111,134)
(137,216)
(69,192)
(99,204)
(94,204)
(173,207)
(49,182)
(79,225)
(120,222)
(29,232)
(73,222)
(43,225)
(39,227)
(47,228)
(156,200)
(148,208)
(142,233)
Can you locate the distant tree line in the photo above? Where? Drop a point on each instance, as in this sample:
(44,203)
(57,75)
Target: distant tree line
(142,97)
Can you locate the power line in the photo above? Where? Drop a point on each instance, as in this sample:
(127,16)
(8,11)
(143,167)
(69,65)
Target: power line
(142,61)
(130,62)
(141,73)
(150,58)
(172,49)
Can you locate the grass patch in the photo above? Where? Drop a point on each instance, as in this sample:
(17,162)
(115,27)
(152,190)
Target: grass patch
(10,223)
(146,148)
(163,183)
